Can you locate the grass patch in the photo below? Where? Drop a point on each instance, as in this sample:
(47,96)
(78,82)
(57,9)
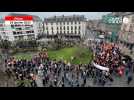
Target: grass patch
(82,55)
(27,55)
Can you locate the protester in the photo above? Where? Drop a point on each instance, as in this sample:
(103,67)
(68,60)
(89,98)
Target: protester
(63,74)
(129,78)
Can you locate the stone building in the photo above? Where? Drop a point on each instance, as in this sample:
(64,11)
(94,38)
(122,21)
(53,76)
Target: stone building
(66,27)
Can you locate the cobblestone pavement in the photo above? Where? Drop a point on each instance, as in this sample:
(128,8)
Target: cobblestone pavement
(5,81)
(118,82)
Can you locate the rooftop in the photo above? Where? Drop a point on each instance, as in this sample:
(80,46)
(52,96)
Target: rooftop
(65,18)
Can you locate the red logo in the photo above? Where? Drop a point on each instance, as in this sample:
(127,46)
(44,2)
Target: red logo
(18,18)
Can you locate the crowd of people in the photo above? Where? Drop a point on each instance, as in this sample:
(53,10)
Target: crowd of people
(54,73)
(109,56)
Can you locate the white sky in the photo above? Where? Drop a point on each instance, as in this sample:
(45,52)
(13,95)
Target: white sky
(89,15)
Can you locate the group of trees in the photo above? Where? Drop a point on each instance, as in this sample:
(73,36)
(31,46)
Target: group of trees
(58,43)
(26,44)
(5,44)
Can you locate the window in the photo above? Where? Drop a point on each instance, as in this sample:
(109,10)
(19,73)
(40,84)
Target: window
(64,27)
(79,32)
(75,22)
(18,28)
(68,32)
(60,28)
(64,32)
(14,32)
(57,28)
(71,27)
(21,33)
(60,31)
(12,26)
(79,27)
(75,27)
(52,28)
(26,32)
(15,37)
(79,22)
(51,23)
(67,23)
(71,32)
(67,27)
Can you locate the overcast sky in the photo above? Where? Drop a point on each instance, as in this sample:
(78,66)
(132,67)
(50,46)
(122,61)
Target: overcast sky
(89,15)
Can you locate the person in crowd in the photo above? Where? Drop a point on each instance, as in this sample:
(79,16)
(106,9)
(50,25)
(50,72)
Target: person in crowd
(59,73)
(129,78)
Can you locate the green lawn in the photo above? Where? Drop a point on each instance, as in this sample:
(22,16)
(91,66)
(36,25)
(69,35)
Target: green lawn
(27,55)
(82,55)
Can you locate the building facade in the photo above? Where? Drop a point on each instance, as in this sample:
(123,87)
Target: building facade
(73,26)
(112,22)
(2,33)
(127,29)
(22,29)
(93,24)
